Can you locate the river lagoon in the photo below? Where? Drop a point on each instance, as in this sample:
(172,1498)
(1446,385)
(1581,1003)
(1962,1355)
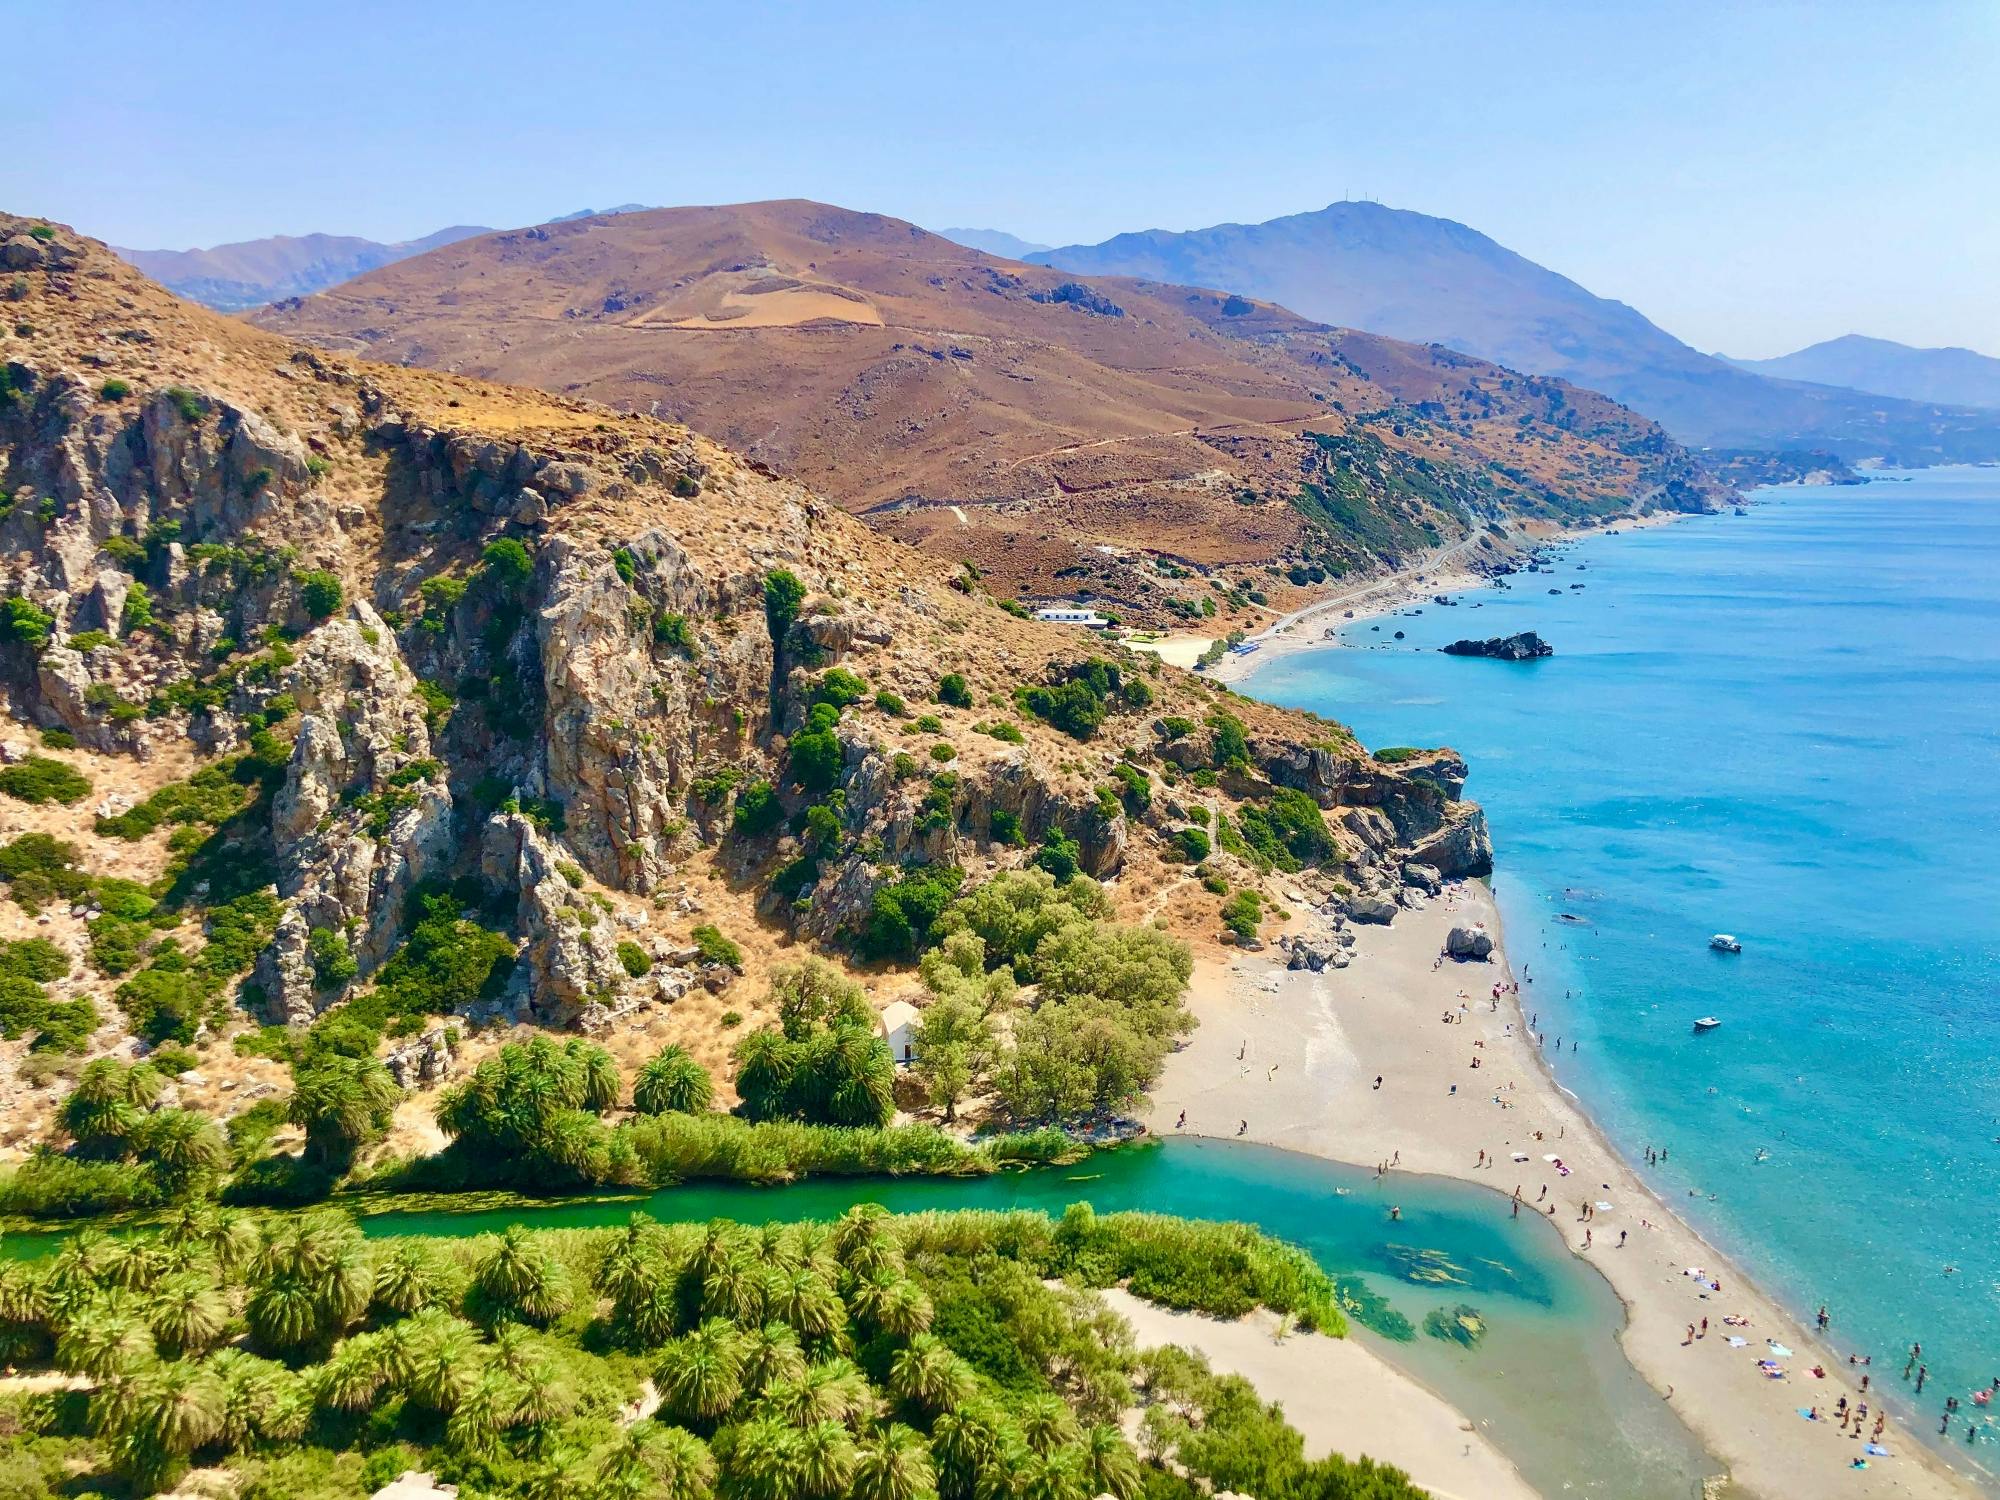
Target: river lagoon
(1784,725)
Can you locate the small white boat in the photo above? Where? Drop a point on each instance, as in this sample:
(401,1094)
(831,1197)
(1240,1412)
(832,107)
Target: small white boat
(1722,942)
(1705,1023)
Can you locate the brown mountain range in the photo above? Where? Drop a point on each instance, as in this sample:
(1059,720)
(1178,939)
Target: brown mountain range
(1070,438)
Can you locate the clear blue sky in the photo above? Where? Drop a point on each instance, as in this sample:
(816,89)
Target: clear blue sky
(1751,176)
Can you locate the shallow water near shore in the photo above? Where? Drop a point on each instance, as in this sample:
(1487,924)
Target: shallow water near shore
(1784,725)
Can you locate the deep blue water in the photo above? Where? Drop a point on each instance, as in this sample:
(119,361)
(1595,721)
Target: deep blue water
(1784,725)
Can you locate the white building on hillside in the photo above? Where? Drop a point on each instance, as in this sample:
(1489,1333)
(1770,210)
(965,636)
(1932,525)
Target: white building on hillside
(1066,614)
(898,1026)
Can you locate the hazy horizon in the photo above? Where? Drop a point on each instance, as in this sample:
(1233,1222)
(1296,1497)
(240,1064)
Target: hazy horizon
(1753,180)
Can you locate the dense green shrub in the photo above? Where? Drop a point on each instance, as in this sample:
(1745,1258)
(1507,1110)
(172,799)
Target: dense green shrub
(901,913)
(1229,746)
(758,810)
(1005,828)
(333,957)
(38,779)
(815,755)
(953,692)
(671,629)
(115,390)
(1060,855)
(634,960)
(1192,843)
(1287,830)
(1396,755)
(714,947)
(320,592)
(891,704)
(783,594)
(25,622)
(1242,913)
(447,961)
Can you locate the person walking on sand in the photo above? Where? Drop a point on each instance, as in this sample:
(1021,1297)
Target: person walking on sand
(1621,1237)
(1704,1328)
(1586,1239)
(1686,1342)
(1181,1123)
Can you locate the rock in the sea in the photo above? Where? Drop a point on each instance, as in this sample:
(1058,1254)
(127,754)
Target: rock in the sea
(1473,942)
(1523,647)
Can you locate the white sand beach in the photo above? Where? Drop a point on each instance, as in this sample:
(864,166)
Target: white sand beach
(1341,1396)
(1333,1033)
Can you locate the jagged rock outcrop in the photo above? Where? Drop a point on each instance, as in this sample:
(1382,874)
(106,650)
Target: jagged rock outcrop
(1525,646)
(363,816)
(570,962)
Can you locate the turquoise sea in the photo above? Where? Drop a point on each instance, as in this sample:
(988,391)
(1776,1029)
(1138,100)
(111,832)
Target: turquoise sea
(1784,725)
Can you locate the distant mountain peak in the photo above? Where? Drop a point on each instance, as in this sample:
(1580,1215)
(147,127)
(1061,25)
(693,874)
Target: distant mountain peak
(1356,263)
(1951,376)
(994,242)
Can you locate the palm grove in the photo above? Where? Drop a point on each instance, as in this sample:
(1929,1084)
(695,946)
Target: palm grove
(937,1357)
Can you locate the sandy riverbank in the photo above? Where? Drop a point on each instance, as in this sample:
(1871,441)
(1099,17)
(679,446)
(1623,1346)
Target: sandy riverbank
(1331,1034)
(1341,1396)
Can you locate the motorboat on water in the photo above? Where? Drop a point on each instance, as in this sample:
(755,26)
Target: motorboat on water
(1705,1023)
(1722,942)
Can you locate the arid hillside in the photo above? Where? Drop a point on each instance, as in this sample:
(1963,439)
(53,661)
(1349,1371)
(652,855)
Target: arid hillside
(1066,437)
(318,670)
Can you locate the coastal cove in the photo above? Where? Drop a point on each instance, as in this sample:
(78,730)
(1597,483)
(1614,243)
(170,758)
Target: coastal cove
(1777,724)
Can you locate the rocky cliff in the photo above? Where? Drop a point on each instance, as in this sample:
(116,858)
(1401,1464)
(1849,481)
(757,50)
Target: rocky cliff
(595,677)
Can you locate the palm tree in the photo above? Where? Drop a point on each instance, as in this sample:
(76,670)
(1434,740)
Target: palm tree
(927,1374)
(903,1311)
(486,1408)
(411,1277)
(524,1356)
(309,1283)
(1047,1423)
(355,1372)
(672,1083)
(767,1065)
(225,1233)
(439,1358)
(760,1460)
(834,1391)
(601,1083)
(128,1263)
(255,1396)
(700,1377)
(343,1104)
(104,1337)
(770,1355)
(825,1460)
(734,1289)
(189,1313)
(524,1279)
(186,1149)
(1022,1474)
(104,1109)
(894,1464)
(653,1462)
(1113,1466)
(806,1299)
(965,1444)
(174,1408)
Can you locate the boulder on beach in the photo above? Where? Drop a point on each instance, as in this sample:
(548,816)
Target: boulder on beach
(1523,647)
(1377,909)
(1425,878)
(1473,942)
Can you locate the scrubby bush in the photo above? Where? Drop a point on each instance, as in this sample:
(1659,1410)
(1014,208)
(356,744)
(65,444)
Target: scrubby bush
(783,594)
(634,960)
(953,692)
(1242,913)
(114,390)
(38,779)
(320,593)
(1287,830)
(1193,844)
(758,810)
(715,948)
(902,912)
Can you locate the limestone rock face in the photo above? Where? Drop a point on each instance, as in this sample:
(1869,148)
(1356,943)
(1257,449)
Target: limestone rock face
(571,960)
(627,717)
(363,816)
